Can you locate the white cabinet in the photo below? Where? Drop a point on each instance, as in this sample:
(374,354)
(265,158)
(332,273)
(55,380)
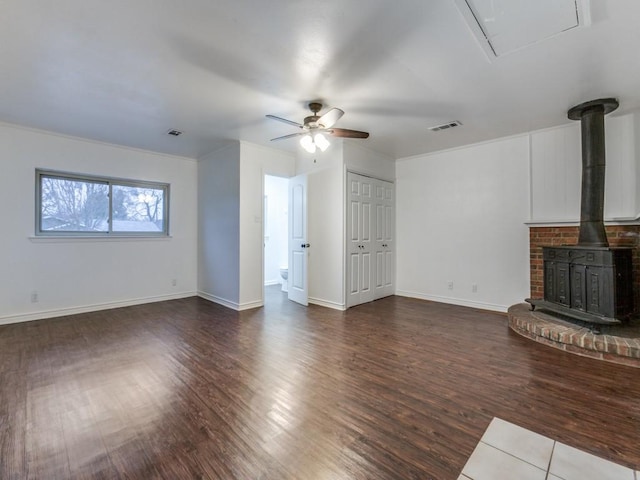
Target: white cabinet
(370,239)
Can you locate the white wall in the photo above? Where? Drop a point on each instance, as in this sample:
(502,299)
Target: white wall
(325,223)
(622,168)
(76,275)
(219,226)
(636,149)
(230,192)
(325,214)
(326,195)
(556,166)
(255,162)
(276,227)
(460,218)
(360,159)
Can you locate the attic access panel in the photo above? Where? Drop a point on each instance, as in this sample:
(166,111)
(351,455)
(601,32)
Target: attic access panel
(503,26)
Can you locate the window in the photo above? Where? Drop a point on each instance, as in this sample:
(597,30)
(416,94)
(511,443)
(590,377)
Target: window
(76,204)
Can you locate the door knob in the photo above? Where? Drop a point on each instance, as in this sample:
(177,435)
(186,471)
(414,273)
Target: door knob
(305,245)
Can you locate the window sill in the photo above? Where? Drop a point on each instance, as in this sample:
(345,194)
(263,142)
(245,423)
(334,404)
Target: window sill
(80,238)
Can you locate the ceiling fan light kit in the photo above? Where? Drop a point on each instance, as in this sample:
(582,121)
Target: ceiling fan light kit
(307,143)
(315,127)
(310,143)
(321,141)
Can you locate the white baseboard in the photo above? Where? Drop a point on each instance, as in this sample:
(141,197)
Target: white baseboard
(229,304)
(27,317)
(250,305)
(454,301)
(268,283)
(219,300)
(260,303)
(61,312)
(327,304)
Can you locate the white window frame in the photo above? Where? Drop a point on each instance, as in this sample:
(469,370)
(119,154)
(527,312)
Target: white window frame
(110,182)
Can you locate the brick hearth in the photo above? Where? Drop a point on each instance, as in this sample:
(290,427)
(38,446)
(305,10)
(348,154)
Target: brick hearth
(617,344)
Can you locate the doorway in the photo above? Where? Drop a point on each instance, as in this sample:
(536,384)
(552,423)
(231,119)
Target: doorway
(276,235)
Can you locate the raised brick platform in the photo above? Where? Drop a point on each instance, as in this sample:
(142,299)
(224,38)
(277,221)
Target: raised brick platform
(618,344)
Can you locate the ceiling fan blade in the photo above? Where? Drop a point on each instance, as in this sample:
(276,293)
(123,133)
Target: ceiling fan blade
(284,137)
(284,120)
(346,133)
(330,118)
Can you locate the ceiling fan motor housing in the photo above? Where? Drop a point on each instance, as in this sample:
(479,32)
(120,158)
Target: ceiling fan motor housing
(312,121)
(315,107)
(325,123)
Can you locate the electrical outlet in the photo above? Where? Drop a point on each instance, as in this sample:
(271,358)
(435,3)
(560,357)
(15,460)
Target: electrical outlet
(34,297)
(474,288)
(174,282)
(450,285)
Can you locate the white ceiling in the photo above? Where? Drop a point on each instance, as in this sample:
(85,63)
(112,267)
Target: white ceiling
(126,71)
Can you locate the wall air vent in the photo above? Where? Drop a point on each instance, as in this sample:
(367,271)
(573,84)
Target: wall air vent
(175,133)
(445,126)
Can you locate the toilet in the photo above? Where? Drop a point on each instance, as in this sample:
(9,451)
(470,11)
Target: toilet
(284,273)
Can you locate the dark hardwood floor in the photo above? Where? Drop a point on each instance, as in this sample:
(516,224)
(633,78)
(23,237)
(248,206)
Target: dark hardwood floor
(395,389)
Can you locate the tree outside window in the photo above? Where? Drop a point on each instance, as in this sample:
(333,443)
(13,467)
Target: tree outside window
(70,204)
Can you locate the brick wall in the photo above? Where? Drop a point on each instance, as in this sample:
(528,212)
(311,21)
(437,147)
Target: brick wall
(618,236)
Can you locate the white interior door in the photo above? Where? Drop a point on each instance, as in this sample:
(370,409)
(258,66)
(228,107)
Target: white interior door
(298,245)
(359,242)
(385,228)
(370,239)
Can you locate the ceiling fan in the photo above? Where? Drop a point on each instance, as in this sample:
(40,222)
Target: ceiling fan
(314,126)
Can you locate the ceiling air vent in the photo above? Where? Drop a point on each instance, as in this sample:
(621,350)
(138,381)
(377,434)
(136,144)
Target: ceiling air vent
(445,126)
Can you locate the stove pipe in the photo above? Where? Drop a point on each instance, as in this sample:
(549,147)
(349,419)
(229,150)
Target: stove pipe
(591,115)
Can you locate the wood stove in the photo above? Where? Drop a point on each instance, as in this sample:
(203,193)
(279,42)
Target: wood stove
(593,284)
(589,281)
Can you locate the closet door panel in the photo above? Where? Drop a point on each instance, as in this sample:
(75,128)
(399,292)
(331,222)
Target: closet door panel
(370,227)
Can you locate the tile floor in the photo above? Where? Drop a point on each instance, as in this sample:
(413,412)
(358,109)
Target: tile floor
(507,451)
